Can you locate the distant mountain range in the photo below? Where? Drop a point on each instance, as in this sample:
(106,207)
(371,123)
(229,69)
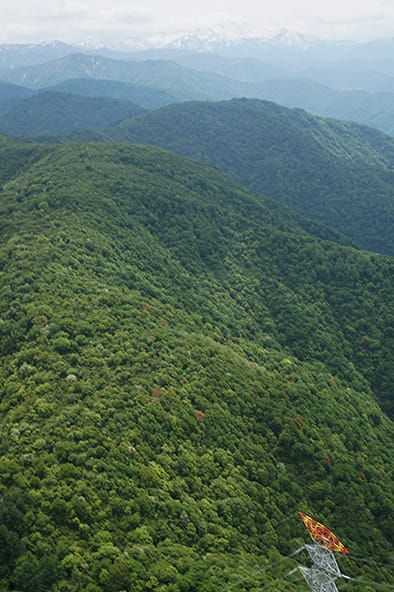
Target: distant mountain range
(222,39)
(153,83)
(184,83)
(343,80)
(14,55)
(228,39)
(223,36)
(375,109)
(285,54)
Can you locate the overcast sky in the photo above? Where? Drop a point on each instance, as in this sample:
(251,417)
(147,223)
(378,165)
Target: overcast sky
(75,20)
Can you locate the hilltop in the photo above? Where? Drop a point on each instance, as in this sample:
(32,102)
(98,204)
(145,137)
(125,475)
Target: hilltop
(183,368)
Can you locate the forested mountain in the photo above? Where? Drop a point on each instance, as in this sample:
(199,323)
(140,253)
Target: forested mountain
(338,174)
(148,97)
(183,368)
(54,113)
(10,94)
(375,109)
(16,157)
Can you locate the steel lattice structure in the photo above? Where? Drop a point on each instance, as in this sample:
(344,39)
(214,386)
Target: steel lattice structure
(323,559)
(325,570)
(318,580)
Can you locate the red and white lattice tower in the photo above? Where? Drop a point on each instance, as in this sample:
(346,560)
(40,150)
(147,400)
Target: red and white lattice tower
(325,570)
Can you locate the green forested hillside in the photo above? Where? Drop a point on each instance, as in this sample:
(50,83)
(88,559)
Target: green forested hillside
(183,368)
(338,174)
(54,113)
(15,157)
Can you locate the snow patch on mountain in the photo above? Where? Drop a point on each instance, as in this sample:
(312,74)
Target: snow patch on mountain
(92,44)
(293,39)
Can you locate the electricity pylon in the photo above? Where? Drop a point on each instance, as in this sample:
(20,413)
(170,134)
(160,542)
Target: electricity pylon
(324,571)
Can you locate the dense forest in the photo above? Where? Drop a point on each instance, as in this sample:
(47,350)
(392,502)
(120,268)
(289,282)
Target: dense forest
(183,368)
(336,173)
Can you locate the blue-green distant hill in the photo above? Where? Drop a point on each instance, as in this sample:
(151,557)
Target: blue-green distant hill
(10,94)
(183,83)
(375,109)
(51,113)
(148,97)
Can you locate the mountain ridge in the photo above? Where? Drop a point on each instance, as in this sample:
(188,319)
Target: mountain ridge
(338,174)
(182,370)
(176,76)
(162,73)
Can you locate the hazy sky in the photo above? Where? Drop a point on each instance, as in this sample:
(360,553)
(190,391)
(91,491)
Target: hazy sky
(75,20)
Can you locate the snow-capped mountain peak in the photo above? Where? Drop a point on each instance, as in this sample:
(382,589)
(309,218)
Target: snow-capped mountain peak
(230,33)
(292,39)
(208,38)
(92,44)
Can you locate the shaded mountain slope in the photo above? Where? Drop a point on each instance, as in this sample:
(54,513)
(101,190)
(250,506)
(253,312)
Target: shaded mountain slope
(183,368)
(51,113)
(16,156)
(10,94)
(375,109)
(338,174)
(146,96)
